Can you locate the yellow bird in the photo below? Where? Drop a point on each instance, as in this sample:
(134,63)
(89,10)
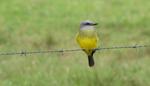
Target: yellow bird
(87,39)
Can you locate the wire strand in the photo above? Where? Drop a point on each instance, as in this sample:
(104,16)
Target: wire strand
(72,50)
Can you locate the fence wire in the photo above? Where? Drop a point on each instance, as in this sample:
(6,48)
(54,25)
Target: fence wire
(24,52)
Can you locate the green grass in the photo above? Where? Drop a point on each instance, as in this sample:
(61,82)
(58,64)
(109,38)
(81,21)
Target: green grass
(53,24)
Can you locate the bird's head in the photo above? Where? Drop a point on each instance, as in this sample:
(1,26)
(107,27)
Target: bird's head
(87,23)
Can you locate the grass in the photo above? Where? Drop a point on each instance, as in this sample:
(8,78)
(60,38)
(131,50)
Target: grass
(51,24)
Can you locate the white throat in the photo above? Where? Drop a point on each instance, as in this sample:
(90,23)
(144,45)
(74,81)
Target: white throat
(87,28)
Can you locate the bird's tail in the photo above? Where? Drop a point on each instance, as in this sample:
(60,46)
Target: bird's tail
(91,60)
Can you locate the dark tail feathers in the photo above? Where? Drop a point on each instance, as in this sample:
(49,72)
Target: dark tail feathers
(91,60)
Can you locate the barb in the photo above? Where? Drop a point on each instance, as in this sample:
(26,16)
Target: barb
(72,50)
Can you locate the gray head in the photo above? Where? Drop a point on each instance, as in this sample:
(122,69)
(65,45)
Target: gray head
(87,23)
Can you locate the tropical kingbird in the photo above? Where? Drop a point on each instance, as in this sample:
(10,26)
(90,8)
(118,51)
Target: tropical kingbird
(87,39)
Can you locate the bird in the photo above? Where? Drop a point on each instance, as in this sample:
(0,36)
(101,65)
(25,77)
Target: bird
(87,39)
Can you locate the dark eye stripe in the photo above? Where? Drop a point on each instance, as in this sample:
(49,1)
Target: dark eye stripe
(87,23)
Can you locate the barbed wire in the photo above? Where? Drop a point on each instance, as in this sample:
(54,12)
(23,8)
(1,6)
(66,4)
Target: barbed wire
(71,50)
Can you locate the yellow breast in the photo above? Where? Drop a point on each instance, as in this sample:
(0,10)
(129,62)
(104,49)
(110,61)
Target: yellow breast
(87,39)
(87,42)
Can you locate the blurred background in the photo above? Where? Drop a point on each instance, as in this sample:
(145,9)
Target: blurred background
(52,24)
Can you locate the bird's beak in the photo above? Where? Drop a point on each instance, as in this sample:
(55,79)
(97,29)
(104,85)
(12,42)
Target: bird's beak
(95,24)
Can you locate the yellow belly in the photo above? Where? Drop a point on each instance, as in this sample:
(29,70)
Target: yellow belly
(87,43)
(87,40)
